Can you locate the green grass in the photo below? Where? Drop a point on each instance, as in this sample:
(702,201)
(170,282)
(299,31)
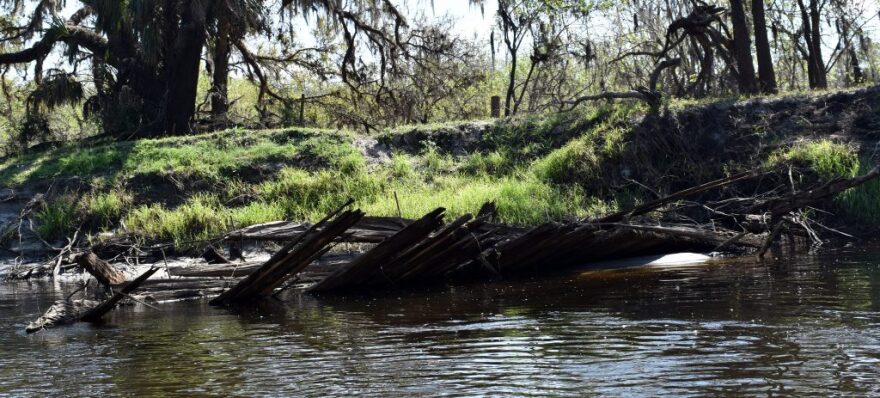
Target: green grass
(58,218)
(575,162)
(862,203)
(829,159)
(106,208)
(207,155)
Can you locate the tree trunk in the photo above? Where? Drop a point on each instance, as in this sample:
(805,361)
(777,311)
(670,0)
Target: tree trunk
(813,38)
(821,76)
(220,78)
(511,84)
(180,101)
(766,74)
(854,76)
(742,47)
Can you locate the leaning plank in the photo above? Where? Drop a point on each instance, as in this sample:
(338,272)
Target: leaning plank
(291,259)
(391,271)
(95,314)
(100,269)
(359,271)
(464,245)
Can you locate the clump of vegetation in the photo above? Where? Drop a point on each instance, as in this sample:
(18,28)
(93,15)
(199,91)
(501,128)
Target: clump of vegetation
(862,202)
(59,217)
(827,158)
(497,162)
(106,208)
(575,162)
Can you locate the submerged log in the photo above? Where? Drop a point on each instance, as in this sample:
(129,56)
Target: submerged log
(67,311)
(62,312)
(105,273)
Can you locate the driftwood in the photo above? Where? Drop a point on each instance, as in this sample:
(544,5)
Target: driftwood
(95,314)
(103,271)
(68,311)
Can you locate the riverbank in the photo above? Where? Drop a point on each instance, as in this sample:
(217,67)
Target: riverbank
(190,190)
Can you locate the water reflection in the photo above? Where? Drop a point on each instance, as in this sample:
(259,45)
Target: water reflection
(799,327)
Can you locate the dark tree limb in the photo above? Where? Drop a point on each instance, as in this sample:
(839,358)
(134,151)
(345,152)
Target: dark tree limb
(650,95)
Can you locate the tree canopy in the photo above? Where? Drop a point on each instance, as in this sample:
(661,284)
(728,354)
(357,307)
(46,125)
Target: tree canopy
(154,67)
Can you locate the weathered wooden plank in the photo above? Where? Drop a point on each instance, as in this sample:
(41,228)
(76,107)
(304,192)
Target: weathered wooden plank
(359,271)
(292,258)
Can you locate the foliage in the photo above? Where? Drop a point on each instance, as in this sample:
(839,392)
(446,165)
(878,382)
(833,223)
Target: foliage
(58,218)
(827,158)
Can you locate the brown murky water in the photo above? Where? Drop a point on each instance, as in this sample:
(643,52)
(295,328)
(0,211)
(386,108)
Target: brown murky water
(809,325)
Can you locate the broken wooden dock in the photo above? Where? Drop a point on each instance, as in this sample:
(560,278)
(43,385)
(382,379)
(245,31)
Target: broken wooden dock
(401,253)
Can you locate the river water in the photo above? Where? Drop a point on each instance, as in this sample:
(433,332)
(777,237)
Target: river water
(809,325)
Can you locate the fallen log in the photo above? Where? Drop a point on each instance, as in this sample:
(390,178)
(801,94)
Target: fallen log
(105,273)
(716,238)
(95,314)
(216,270)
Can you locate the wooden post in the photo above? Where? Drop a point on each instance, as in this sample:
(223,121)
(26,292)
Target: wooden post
(496,106)
(302,108)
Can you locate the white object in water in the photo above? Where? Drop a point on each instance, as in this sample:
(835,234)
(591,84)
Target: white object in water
(651,261)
